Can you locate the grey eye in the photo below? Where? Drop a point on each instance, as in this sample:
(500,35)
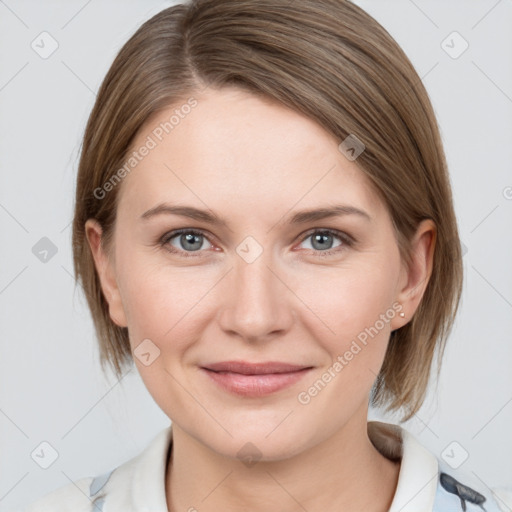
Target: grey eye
(322,240)
(187,241)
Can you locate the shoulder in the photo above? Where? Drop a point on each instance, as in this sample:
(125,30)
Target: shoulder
(84,495)
(460,491)
(73,496)
(135,485)
(428,482)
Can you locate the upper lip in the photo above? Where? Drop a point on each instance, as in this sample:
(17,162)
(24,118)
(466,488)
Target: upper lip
(247,368)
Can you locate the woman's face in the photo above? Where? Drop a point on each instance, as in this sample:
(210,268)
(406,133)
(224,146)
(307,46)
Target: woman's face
(252,277)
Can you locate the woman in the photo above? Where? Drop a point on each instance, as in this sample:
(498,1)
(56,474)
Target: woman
(264,225)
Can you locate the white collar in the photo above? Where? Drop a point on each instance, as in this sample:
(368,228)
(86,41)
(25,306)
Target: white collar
(139,484)
(419,468)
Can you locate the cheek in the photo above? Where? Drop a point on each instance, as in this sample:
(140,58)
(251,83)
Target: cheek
(347,300)
(163,302)
(353,311)
(336,304)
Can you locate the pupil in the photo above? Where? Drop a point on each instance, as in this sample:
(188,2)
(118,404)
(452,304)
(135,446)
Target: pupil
(189,239)
(320,238)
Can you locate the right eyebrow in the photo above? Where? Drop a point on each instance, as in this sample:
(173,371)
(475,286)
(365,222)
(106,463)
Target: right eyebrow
(184,211)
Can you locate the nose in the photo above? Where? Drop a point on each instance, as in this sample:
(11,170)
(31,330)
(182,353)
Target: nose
(256,303)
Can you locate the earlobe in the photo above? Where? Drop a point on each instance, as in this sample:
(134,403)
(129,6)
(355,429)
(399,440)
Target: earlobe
(106,272)
(417,274)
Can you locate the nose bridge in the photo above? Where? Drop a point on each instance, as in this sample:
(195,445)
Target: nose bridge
(256,303)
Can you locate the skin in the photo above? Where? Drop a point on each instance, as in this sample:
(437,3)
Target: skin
(254,163)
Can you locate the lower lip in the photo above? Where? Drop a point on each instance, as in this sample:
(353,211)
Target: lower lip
(255,385)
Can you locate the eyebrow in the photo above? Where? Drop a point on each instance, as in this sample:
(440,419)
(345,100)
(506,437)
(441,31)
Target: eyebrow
(300,217)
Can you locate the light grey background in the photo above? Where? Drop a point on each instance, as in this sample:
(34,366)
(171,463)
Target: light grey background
(51,387)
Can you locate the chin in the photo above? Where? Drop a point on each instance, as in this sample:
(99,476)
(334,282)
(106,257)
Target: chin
(260,440)
(263,449)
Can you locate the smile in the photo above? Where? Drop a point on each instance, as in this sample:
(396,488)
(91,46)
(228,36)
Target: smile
(254,379)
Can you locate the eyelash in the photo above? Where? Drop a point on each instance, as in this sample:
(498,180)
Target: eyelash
(347,240)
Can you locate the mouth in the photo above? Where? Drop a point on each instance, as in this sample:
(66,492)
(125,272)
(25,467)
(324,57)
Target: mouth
(254,379)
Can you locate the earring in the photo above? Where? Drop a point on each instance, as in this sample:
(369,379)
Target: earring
(402,314)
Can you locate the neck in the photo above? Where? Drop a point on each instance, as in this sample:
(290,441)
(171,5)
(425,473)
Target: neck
(343,472)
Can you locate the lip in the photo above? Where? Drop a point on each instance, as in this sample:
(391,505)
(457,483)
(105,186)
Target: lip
(254,379)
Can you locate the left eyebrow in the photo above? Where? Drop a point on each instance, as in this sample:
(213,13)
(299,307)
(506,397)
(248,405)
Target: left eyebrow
(300,217)
(324,213)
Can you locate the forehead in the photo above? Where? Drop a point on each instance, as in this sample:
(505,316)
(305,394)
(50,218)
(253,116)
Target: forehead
(231,147)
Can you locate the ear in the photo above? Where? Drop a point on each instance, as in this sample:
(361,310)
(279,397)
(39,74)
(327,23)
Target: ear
(106,272)
(414,279)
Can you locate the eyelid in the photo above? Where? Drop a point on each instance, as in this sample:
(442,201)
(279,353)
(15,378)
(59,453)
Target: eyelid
(345,237)
(348,240)
(167,237)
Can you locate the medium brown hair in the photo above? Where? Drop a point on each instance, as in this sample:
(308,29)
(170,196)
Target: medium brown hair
(328,60)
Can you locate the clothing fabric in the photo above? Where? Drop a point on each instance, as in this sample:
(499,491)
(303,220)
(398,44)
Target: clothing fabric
(425,484)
